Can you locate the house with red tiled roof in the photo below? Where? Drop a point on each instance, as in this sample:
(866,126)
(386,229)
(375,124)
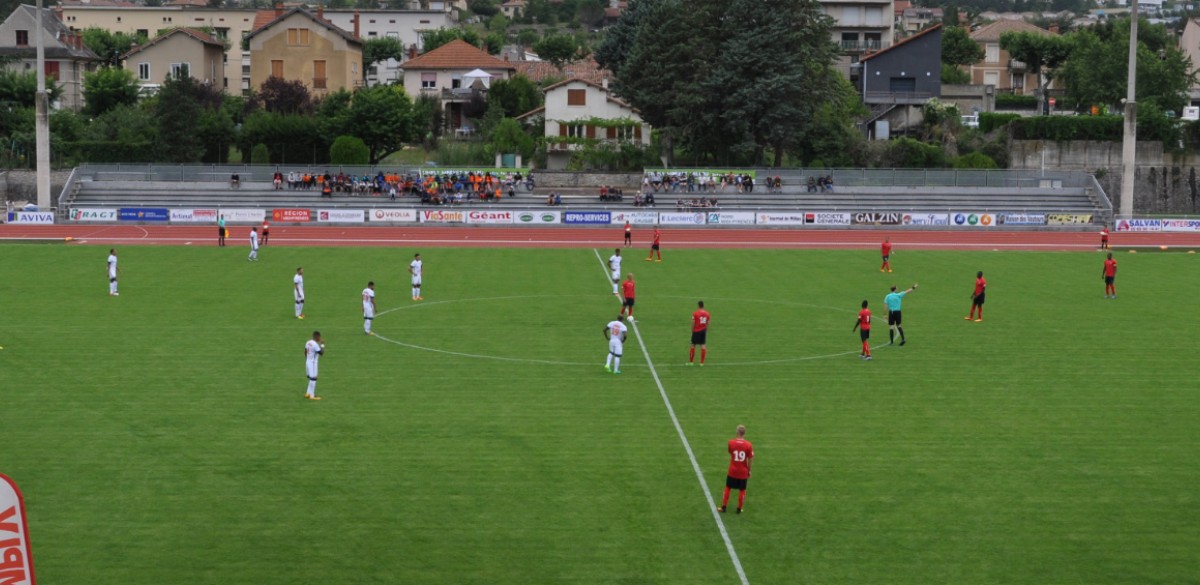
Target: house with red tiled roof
(539,71)
(998,68)
(455,73)
(578,111)
(299,45)
(179,51)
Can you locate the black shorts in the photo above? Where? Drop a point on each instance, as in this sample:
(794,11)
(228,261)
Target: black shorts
(220,232)
(894,318)
(885,258)
(979,300)
(654,247)
(629,302)
(699,337)
(1109,279)
(865,334)
(734,483)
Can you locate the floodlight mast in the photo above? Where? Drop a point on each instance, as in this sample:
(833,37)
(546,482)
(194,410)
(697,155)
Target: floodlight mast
(1129,142)
(42,118)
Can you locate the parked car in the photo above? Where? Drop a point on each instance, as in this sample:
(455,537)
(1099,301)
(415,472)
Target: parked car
(971,121)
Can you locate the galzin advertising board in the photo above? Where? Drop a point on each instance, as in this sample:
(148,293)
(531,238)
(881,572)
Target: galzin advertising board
(875,218)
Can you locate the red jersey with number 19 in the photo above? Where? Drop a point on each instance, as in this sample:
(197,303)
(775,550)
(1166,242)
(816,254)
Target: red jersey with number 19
(740,454)
(700,320)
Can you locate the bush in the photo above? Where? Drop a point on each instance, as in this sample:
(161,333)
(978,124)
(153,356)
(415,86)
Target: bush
(975,160)
(1008,101)
(908,153)
(259,155)
(349,150)
(989,121)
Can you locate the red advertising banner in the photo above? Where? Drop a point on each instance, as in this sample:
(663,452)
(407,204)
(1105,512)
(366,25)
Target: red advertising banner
(291,215)
(16,561)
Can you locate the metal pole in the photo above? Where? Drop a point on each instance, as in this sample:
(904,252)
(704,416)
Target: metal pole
(1129,143)
(42,118)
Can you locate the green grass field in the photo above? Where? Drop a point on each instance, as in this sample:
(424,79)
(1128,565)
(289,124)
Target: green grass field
(161,436)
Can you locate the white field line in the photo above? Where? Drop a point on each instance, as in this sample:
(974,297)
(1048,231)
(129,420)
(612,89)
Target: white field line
(712,505)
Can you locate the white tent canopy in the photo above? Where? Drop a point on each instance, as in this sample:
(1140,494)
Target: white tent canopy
(479,75)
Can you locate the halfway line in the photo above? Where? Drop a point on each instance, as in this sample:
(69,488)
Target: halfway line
(712,504)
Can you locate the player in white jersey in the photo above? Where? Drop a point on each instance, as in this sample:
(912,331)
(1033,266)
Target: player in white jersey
(112,273)
(298,292)
(368,298)
(253,245)
(615,331)
(414,268)
(313,350)
(614,266)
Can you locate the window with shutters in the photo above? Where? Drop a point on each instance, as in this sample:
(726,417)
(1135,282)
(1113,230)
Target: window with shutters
(318,75)
(22,38)
(429,81)
(298,37)
(591,131)
(576,97)
(277,68)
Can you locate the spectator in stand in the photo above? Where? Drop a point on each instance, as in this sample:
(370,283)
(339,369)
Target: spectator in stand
(557,199)
(604,192)
(277,180)
(638,200)
(235,181)
(829,183)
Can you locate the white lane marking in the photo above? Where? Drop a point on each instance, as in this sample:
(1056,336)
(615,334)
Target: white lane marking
(712,504)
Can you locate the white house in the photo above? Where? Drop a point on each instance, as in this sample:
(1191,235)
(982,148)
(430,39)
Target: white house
(581,109)
(455,73)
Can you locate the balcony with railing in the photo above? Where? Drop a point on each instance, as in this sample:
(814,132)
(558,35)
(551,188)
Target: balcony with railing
(862,46)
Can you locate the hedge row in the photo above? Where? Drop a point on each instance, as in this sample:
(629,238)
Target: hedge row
(1008,101)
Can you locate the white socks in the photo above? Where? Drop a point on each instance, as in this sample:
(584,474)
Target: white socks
(367,325)
(299,309)
(312,388)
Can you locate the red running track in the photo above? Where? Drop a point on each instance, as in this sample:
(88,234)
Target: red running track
(589,237)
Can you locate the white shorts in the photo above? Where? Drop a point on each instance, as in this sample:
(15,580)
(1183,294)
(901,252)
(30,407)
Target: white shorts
(368,311)
(616,275)
(299,298)
(311,371)
(616,347)
(416,281)
(112,275)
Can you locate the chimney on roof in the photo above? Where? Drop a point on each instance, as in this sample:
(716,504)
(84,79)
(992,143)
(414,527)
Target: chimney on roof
(1054,27)
(356,20)
(412,51)
(278,9)
(320,12)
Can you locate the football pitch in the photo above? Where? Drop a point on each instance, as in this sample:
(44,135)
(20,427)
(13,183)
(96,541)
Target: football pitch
(162,436)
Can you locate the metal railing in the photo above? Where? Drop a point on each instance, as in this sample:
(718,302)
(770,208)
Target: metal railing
(866,45)
(221,173)
(68,191)
(1032,179)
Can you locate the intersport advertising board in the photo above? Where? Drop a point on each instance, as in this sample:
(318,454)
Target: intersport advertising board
(1181,225)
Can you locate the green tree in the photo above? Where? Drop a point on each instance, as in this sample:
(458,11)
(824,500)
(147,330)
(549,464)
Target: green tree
(428,120)
(20,88)
(349,150)
(108,87)
(260,155)
(558,49)
(125,133)
(290,138)
(515,96)
(110,46)
(177,111)
(952,75)
(1042,53)
(381,49)
(509,137)
(958,49)
(831,136)
(334,113)
(382,117)
(283,96)
(619,38)
(1095,73)
(483,7)
(498,24)
(528,37)
(432,39)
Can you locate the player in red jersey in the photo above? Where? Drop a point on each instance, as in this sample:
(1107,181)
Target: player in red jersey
(863,325)
(628,234)
(977,297)
(1104,238)
(1110,274)
(886,249)
(741,454)
(654,246)
(700,320)
(628,293)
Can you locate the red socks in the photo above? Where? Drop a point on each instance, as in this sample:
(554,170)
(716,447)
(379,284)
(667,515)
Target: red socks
(725,498)
(866,348)
(692,355)
(703,354)
(741,499)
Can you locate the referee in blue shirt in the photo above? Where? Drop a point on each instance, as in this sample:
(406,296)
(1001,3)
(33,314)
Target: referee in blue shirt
(895,321)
